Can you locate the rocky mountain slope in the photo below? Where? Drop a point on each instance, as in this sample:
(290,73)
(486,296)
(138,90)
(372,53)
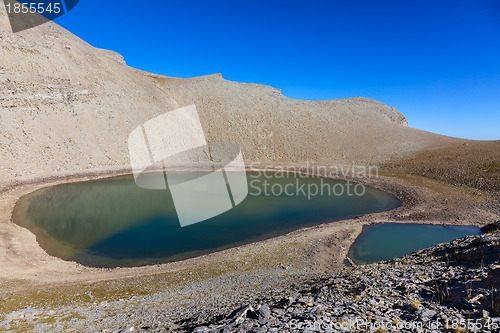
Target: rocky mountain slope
(66,106)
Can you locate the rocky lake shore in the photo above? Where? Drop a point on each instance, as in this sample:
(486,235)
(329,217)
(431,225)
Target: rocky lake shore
(295,280)
(450,287)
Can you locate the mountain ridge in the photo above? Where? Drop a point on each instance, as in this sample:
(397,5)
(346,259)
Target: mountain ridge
(66,106)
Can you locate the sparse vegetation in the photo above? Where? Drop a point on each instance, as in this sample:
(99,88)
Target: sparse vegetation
(474,164)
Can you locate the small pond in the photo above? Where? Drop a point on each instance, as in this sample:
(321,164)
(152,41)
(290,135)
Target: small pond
(386,241)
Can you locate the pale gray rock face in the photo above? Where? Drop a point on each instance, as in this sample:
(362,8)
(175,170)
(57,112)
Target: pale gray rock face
(66,106)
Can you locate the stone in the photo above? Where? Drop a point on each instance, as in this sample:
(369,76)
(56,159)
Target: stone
(427,314)
(264,312)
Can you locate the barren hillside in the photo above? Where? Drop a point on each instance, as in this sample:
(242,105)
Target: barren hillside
(66,106)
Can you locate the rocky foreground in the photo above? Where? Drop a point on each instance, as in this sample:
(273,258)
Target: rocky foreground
(451,287)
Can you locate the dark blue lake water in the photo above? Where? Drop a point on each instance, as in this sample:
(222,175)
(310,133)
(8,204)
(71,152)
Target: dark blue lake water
(113,222)
(386,241)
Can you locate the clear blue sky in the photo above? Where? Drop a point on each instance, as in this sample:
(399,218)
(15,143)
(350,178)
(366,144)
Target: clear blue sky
(437,61)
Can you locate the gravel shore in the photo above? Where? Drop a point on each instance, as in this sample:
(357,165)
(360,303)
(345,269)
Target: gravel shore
(447,288)
(451,287)
(46,294)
